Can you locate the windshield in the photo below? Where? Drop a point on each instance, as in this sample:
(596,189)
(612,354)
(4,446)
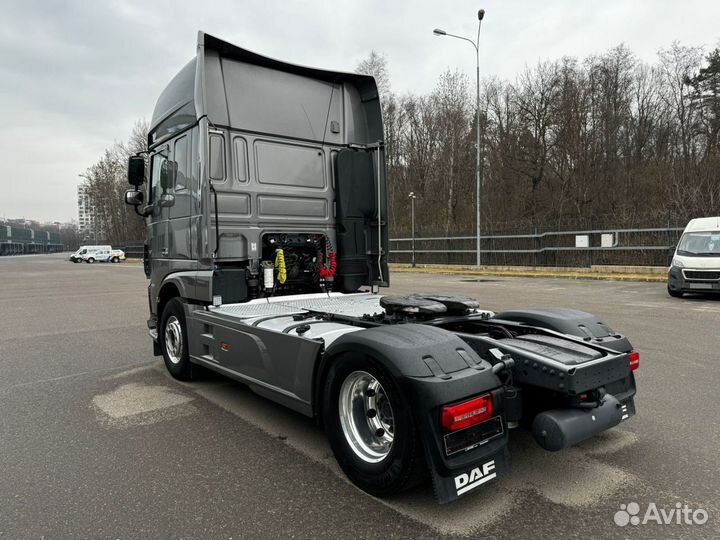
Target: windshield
(700,244)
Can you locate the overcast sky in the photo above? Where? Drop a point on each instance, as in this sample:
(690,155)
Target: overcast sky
(75,75)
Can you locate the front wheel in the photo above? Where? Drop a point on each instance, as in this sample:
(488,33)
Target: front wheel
(90,260)
(173,339)
(371,427)
(115,260)
(674,293)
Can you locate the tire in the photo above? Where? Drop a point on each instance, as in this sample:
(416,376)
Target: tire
(173,338)
(674,294)
(115,260)
(90,260)
(391,469)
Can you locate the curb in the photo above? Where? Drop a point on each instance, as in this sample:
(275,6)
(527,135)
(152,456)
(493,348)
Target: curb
(650,278)
(465,271)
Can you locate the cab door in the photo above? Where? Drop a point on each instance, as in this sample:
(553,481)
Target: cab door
(159,187)
(179,238)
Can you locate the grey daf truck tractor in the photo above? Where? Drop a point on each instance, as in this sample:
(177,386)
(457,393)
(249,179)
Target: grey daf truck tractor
(265,197)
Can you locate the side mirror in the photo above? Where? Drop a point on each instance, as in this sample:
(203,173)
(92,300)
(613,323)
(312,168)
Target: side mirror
(168,172)
(166,200)
(134,198)
(136,171)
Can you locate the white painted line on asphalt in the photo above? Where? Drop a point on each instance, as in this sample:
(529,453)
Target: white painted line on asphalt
(70,375)
(707,309)
(152,366)
(651,305)
(673,306)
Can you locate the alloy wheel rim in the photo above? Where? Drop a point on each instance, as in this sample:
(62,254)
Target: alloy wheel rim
(366,417)
(173,339)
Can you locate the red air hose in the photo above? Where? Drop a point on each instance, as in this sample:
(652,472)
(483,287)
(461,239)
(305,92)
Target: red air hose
(328,269)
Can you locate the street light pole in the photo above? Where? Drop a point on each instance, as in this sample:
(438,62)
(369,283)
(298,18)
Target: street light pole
(412,221)
(478,157)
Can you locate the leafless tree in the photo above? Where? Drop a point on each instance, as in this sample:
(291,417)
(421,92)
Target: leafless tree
(107,182)
(606,140)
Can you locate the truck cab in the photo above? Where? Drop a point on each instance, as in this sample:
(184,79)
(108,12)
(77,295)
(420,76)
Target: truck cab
(255,162)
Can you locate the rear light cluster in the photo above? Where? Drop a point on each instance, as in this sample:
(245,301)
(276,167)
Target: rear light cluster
(634,358)
(468,413)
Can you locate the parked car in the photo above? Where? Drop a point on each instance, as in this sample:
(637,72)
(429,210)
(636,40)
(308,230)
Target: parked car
(696,264)
(117,255)
(102,254)
(86,252)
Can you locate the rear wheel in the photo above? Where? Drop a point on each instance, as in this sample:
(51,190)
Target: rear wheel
(674,293)
(173,339)
(90,260)
(371,428)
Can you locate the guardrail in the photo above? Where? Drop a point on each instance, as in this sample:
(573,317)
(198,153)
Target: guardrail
(650,246)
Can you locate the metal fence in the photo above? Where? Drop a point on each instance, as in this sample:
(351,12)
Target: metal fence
(575,248)
(133,251)
(651,246)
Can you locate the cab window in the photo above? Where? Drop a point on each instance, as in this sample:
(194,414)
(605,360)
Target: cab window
(180,155)
(159,180)
(217,157)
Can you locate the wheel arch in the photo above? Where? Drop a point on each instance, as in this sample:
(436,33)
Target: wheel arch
(178,284)
(411,353)
(168,291)
(571,322)
(370,342)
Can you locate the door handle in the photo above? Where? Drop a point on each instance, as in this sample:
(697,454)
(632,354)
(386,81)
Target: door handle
(164,251)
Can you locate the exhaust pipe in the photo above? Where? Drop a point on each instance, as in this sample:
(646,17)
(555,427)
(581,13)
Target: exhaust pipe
(559,428)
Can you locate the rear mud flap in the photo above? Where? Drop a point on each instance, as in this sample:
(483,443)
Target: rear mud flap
(455,484)
(627,407)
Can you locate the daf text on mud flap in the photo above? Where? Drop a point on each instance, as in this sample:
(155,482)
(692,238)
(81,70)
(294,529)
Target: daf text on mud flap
(467,481)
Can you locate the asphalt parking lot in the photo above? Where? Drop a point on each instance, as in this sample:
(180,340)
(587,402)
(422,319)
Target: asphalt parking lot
(96,441)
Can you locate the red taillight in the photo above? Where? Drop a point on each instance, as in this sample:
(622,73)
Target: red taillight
(634,358)
(468,413)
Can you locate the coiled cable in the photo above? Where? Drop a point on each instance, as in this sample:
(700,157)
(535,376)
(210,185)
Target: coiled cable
(280,266)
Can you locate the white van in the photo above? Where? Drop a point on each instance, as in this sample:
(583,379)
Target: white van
(90,254)
(696,264)
(84,250)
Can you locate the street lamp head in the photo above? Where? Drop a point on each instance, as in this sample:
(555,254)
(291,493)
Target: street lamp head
(481,14)
(439,32)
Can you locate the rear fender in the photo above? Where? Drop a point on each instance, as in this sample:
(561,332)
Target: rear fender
(572,322)
(434,367)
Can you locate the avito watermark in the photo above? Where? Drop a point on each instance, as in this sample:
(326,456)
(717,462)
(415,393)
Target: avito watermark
(680,514)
